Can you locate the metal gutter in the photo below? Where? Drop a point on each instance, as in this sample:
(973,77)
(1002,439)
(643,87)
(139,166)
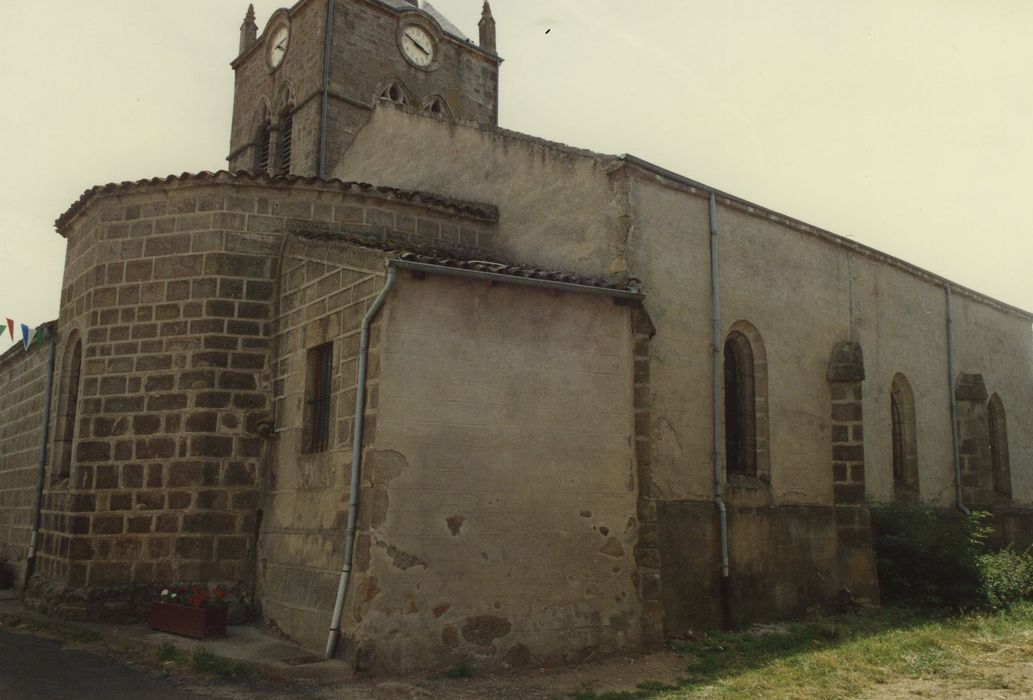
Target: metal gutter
(37,519)
(327,49)
(716,347)
(511,279)
(356,468)
(954,401)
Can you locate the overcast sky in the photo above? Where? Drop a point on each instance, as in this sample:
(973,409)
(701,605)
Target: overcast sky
(903,124)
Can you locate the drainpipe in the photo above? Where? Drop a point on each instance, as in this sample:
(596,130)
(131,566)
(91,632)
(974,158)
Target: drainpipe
(30,563)
(353,497)
(327,48)
(715,299)
(954,401)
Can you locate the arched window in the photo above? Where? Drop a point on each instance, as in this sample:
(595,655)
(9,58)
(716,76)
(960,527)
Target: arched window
(393,91)
(740,406)
(68,404)
(286,138)
(437,106)
(905,449)
(999,446)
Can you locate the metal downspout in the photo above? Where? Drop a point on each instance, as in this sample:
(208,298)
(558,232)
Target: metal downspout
(726,593)
(327,49)
(30,563)
(954,401)
(353,497)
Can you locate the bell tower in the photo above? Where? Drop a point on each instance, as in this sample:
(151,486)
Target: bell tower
(309,81)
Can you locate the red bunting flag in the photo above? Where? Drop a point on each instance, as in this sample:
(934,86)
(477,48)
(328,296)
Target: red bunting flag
(10,328)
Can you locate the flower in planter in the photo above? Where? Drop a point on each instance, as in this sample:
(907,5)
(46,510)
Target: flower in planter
(195,596)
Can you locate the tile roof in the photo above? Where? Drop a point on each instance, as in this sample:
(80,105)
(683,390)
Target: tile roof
(484,212)
(457,260)
(629,284)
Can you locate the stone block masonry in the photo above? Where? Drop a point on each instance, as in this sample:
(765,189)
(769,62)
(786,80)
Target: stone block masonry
(23,377)
(172,288)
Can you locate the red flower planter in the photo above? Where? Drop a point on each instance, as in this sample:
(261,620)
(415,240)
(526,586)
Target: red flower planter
(199,623)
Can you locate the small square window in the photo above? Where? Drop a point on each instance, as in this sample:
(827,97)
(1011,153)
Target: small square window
(318,387)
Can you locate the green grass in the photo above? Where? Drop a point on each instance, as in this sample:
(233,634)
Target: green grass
(202,660)
(841,656)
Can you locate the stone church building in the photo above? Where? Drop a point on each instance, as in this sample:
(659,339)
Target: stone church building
(426,390)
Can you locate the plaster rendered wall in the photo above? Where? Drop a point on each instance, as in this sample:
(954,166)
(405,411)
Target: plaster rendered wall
(557,207)
(1001,349)
(503,491)
(803,294)
(23,381)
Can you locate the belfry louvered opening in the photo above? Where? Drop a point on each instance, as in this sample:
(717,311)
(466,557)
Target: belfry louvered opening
(286,140)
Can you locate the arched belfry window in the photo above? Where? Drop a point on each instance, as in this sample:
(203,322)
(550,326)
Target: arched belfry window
(286,138)
(393,91)
(68,404)
(745,403)
(437,106)
(262,148)
(905,446)
(998,430)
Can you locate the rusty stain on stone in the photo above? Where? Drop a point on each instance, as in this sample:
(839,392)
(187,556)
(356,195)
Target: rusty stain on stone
(441,609)
(586,514)
(450,636)
(455,524)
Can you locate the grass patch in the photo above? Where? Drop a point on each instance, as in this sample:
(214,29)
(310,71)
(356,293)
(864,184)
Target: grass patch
(81,636)
(841,656)
(202,660)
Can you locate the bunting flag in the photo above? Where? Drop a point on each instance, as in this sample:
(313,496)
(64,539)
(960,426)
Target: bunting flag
(38,335)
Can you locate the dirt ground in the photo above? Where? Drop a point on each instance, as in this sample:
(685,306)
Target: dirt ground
(622,673)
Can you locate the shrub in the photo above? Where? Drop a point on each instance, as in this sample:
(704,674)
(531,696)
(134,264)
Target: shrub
(928,559)
(1006,576)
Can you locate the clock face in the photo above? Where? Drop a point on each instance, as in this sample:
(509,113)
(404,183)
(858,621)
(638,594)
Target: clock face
(278,46)
(417,45)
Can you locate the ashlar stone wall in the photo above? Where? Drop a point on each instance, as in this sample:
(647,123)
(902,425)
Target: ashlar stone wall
(172,287)
(23,381)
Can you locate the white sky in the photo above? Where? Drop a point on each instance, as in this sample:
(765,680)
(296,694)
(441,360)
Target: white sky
(901,124)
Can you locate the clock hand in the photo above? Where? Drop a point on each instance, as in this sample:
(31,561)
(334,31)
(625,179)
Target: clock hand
(420,47)
(417,42)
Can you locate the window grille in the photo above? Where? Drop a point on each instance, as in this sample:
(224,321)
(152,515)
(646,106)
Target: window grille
(320,385)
